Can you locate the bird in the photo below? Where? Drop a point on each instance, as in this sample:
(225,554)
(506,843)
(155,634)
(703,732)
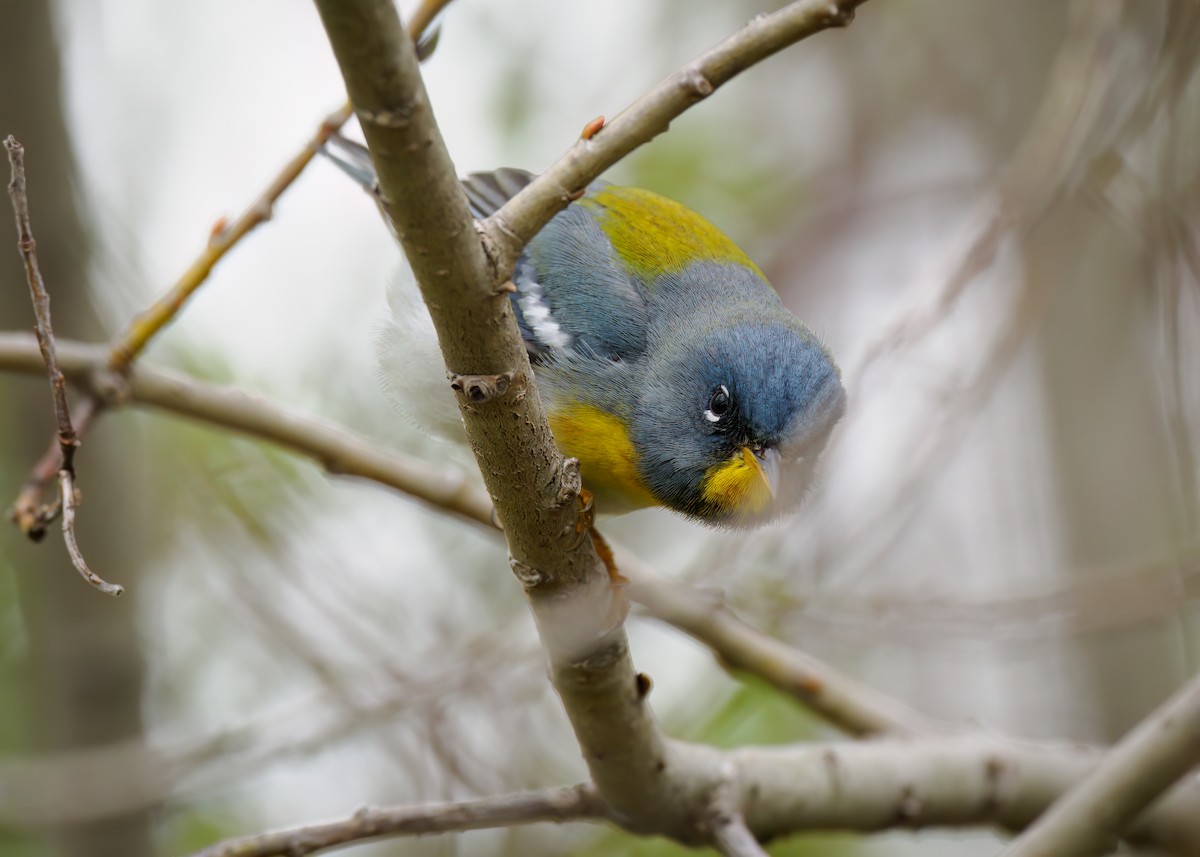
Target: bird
(666,362)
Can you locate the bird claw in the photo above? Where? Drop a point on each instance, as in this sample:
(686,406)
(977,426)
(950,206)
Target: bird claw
(617,581)
(586,518)
(585,528)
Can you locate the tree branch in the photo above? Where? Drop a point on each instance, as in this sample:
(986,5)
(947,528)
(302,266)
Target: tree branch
(847,704)
(138,333)
(944,781)
(225,235)
(1093,815)
(337,450)
(67,442)
(730,835)
(34,521)
(522,217)
(576,803)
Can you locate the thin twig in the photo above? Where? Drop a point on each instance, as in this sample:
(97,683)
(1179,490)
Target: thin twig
(126,347)
(67,439)
(30,514)
(138,333)
(575,803)
(1091,817)
(69,500)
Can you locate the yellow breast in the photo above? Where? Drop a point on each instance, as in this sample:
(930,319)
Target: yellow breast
(607,458)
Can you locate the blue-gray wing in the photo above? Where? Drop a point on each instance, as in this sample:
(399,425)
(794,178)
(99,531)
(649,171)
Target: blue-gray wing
(570,295)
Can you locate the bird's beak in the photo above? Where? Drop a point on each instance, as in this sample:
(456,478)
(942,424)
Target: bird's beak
(743,486)
(766,462)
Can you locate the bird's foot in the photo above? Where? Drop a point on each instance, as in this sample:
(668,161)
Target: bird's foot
(617,581)
(585,528)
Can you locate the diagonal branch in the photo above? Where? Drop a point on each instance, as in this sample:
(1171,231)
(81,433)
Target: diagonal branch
(336,449)
(145,326)
(1092,816)
(526,213)
(856,708)
(130,343)
(575,803)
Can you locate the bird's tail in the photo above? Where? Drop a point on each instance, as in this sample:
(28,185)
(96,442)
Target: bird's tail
(411,369)
(410,362)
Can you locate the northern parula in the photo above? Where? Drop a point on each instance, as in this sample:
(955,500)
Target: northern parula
(666,362)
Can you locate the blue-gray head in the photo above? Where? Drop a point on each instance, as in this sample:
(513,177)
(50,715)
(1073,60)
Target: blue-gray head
(732,418)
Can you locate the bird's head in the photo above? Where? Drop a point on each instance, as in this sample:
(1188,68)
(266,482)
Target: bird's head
(730,424)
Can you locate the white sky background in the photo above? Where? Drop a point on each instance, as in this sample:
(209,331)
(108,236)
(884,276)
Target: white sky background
(183,111)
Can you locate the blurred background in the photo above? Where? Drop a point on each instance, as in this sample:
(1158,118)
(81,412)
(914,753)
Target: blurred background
(988,210)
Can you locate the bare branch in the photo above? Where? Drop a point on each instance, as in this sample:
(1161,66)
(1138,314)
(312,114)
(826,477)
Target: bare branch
(138,333)
(67,439)
(576,803)
(856,708)
(729,833)
(880,785)
(127,346)
(69,501)
(333,447)
(526,213)
(968,779)
(1091,817)
(30,514)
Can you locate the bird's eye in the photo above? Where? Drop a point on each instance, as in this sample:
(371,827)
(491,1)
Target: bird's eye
(718,405)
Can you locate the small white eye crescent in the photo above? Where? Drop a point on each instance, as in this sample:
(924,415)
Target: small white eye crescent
(718,404)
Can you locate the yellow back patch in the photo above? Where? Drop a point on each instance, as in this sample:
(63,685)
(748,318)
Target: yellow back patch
(738,486)
(653,235)
(607,459)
